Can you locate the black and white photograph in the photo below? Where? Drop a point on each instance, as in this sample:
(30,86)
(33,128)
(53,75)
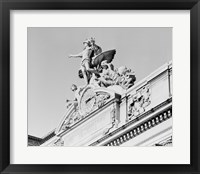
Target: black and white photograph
(87,86)
(99,86)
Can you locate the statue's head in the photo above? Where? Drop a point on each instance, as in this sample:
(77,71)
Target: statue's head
(92,40)
(86,43)
(73,87)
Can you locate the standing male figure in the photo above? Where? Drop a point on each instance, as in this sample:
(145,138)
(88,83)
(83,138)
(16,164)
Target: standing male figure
(85,61)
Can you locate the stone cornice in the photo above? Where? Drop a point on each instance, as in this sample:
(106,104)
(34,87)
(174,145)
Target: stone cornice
(137,130)
(140,128)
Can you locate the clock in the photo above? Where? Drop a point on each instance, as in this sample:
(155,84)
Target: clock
(87,100)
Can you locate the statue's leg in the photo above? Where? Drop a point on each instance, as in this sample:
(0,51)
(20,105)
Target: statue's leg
(85,76)
(87,66)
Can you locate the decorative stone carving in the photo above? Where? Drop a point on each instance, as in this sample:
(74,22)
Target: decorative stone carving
(87,101)
(96,67)
(99,73)
(126,77)
(139,102)
(71,119)
(109,76)
(114,121)
(90,101)
(101,99)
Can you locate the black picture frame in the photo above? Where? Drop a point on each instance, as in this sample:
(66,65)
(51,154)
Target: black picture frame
(7,5)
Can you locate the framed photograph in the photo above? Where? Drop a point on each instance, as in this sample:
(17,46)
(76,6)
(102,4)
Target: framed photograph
(98,87)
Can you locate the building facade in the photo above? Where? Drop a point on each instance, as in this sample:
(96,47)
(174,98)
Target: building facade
(114,116)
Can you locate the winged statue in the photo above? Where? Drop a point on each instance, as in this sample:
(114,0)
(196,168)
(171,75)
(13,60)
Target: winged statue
(104,56)
(97,70)
(92,57)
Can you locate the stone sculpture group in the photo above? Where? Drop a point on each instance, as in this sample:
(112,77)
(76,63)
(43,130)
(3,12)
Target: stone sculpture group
(97,69)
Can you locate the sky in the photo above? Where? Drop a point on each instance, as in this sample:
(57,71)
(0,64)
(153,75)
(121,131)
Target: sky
(51,73)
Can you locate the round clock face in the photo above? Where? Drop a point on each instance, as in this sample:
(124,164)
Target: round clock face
(87,101)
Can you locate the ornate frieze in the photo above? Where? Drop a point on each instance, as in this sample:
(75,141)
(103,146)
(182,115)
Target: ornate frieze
(138,102)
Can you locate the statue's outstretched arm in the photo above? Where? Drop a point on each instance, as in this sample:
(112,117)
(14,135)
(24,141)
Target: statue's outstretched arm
(76,55)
